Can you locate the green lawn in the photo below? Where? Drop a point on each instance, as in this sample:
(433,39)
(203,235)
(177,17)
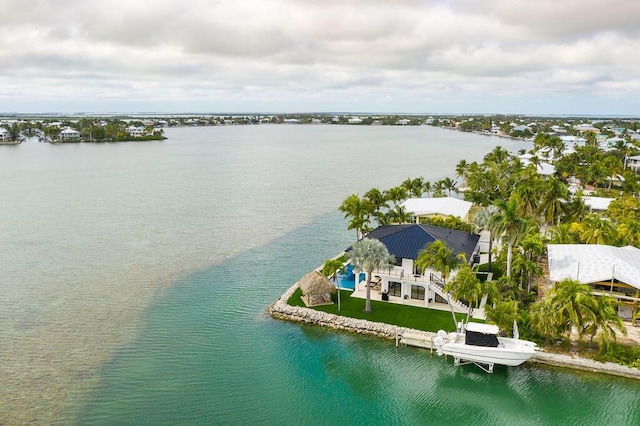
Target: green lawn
(389,313)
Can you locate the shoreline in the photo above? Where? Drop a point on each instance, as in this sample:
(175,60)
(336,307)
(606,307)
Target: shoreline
(281,310)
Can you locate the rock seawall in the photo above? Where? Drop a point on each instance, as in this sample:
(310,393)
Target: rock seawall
(282,310)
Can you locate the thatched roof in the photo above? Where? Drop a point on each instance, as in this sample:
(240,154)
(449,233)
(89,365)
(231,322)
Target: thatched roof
(315,283)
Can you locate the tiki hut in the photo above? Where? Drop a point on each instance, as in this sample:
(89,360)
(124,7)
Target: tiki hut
(316,289)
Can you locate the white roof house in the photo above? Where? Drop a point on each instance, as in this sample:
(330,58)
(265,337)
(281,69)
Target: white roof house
(4,134)
(597,203)
(69,133)
(543,168)
(445,206)
(591,263)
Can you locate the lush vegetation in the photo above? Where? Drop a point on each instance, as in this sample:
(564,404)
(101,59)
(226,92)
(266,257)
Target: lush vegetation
(525,211)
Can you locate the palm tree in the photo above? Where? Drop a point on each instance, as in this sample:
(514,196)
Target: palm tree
(426,187)
(396,195)
(331,268)
(439,257)
(605,319)
(508,223)
(461,169)
(481,222)
(526,269)
(359,210)
(595,230)
(562,234)
(378,201)
(415,187)
(399,215)
(573,304)
(449,184)
(468,287)
(554,194)
(367,255)
(503,313)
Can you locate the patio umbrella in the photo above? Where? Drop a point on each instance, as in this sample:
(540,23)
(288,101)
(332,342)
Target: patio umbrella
(315,283)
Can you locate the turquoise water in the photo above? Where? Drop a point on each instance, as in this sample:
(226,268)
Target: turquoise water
(135,280)
(209,354)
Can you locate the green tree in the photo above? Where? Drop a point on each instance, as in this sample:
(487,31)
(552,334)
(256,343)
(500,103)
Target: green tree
(466,285)
(358,211)
(331,268)
(509,224)
(377,201)
(367,255)
(604,322)
(503,313)
(481,223)
(439,257)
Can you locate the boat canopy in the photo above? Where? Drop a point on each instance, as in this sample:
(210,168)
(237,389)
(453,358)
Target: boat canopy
(481,335)
(482,328)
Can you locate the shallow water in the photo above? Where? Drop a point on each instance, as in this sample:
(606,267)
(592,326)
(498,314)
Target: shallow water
(134,278)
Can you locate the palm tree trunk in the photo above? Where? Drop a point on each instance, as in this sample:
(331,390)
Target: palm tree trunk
(509,256)
(367,305)
(453,314)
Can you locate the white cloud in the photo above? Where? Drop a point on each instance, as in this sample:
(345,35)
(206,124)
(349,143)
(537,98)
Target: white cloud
(306,55)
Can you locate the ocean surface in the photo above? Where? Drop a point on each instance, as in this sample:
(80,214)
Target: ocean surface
(135,277)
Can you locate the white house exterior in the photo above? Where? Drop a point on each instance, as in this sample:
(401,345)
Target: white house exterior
(4,134)
(135,131)
(69,134)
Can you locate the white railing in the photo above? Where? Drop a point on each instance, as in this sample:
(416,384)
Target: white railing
(432,281)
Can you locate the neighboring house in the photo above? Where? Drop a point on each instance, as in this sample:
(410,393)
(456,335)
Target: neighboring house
(571,142)
(354,120)
(134,131)
(4,134)
(543,168)
(597,204)
(610,271)
(69,134)
(633,163)
(405,243)
(403,122)
(431,207)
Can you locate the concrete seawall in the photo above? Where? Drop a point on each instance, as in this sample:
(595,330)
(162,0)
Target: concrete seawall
(282,310)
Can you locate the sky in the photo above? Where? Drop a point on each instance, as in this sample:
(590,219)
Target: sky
(380,56)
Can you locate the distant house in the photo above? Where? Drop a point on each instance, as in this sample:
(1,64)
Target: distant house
(355,120)
(608,270)
(68,133)
(597,204)
(136,132)
(543,168)
(405,242)
(633,163)
(4,134)
(403,122)
(433,207)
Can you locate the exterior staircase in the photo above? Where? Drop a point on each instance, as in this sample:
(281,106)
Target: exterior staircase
(437,285)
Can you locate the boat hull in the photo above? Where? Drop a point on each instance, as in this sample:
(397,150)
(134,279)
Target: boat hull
(489,355)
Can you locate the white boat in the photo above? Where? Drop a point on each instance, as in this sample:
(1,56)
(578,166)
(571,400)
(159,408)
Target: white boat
(480,344)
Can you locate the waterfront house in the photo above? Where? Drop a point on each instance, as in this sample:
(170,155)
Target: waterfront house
(403,281)
(4,135)
(608,270)
(135,131)
(437,207)
(68,133)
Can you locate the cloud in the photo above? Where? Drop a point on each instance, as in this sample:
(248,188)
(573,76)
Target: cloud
(221,51)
